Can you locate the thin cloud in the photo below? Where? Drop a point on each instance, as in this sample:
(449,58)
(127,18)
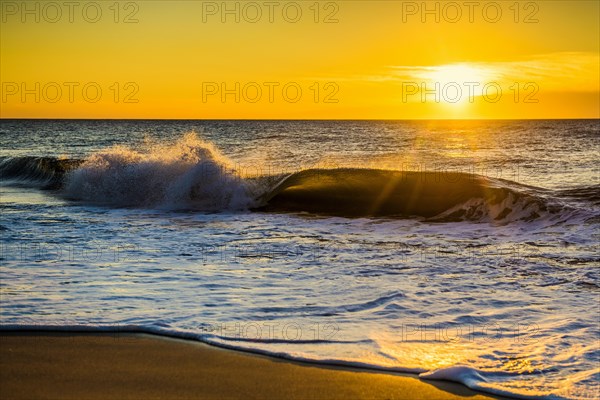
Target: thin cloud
(566,71)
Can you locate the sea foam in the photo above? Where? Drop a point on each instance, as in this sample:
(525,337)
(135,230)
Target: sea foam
(189,173)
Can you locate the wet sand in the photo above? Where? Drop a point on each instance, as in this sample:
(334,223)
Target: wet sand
(39,365)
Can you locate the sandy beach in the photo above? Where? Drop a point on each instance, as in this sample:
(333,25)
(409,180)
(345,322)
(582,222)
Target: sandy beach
(134,366)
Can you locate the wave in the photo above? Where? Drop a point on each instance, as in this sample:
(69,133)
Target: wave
(192,174)
(44,172)
(434,196)
(589,193)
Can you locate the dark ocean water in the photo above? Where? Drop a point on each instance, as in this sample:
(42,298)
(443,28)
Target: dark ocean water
(461,250)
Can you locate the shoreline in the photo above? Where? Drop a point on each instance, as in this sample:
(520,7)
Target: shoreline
(90,365)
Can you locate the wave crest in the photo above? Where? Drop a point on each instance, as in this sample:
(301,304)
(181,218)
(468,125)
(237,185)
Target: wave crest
(190,173)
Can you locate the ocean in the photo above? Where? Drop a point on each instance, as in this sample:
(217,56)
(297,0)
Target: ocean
(456,250)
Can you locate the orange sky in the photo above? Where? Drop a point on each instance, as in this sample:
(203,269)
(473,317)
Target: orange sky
(304,59)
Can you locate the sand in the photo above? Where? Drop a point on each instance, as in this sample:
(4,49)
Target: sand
(139,366)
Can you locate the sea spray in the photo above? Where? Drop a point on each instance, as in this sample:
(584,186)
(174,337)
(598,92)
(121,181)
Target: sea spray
(189,173)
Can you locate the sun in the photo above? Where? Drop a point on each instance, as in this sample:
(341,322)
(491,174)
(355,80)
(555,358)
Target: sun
(456,84)
(458,73)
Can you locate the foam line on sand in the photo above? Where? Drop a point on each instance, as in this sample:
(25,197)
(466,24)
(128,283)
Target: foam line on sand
(36,365)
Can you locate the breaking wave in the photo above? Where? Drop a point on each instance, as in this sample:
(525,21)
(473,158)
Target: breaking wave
(192,174)
(188,174)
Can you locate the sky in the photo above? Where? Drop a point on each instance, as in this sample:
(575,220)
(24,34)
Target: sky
(300,60)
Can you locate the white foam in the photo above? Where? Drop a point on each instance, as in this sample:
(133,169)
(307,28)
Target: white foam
(190,173)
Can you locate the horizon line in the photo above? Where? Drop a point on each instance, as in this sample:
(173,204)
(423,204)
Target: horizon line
(299,119)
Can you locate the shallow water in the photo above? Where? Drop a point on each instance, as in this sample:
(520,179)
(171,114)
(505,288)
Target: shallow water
(507,305)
